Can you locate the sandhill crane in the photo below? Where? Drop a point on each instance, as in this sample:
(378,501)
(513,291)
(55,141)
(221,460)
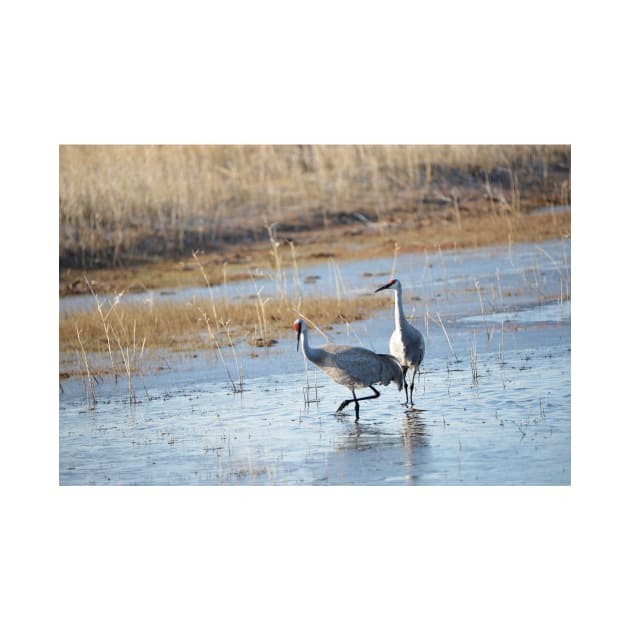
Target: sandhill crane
(351,366)
(406,342)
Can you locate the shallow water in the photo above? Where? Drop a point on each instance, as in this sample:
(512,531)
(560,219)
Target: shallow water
(510,425)
(435,274)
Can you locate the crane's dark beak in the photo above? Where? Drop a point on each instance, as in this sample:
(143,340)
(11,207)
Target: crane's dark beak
(386,286)
(299,330)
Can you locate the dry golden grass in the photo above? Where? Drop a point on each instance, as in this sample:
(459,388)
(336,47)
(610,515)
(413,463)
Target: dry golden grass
(124,203)
(125,332)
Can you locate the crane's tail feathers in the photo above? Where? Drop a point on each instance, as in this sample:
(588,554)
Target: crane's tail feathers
(391,371)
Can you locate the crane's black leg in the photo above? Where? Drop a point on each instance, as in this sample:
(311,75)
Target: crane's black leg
(404,371)
(356,400)
(348,401)
(343,404)
(356,406)
(413,380)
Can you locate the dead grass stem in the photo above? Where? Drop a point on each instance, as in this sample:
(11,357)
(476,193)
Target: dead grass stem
(483,314)
(473,363)
(87,369)
(450,345)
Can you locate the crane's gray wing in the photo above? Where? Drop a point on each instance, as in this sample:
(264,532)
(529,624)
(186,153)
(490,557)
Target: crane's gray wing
(413,343)
(359,367)
(390,370)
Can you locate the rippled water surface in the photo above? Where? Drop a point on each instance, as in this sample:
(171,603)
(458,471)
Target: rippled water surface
(492,401)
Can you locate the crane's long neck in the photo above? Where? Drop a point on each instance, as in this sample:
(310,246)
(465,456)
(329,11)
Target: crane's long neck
(313,354)
(399,315)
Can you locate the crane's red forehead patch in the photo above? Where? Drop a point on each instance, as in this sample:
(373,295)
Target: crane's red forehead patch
(296,326)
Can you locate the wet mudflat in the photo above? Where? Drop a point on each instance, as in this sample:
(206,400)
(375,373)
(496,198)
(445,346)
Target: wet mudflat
(492,400)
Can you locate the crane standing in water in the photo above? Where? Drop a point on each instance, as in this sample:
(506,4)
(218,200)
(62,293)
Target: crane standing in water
(351,366)
(406,342)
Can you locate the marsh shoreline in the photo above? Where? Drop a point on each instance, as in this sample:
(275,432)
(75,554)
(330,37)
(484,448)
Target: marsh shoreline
(233,261)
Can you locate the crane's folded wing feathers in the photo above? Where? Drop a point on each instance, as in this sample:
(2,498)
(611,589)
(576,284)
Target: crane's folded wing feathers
(391,370)
(359,367)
